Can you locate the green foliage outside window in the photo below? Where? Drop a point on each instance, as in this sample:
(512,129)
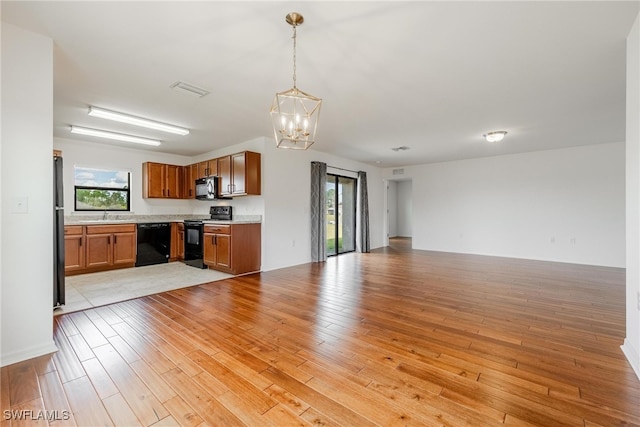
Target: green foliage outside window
(101,199)
(102,190)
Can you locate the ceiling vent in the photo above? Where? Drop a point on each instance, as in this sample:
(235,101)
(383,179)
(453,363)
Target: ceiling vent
(398,171)
(194,90)
(401,148)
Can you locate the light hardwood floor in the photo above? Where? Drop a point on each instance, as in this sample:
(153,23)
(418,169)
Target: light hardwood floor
(395,337)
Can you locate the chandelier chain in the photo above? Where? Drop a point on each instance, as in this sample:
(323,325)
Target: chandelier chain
(294,56)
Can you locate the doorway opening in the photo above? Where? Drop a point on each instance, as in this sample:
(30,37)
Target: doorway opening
(398,210)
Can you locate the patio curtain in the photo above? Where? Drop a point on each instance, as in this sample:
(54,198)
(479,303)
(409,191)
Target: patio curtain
(362,214)
(318,211)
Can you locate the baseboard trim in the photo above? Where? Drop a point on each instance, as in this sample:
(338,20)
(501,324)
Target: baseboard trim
(632,356)
(29,353)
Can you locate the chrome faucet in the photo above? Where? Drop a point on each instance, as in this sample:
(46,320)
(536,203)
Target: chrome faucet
(104,216)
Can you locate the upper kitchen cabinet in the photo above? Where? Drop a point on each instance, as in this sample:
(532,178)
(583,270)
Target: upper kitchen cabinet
(240,174)
(190,174)
(160,180)
(208,168)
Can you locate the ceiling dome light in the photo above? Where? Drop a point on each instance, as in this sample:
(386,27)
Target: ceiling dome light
(495,136)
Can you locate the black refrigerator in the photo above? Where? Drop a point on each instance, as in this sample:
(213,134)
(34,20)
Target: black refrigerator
(58,234)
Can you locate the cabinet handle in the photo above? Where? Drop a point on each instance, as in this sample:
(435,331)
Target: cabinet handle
(115,240)
(213,240)
(168,193)
(108,240)
(81,239)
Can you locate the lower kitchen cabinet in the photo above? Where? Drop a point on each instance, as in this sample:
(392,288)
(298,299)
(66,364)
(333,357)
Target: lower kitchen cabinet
(177,241)
(73,248)
(99,247)
(232,248)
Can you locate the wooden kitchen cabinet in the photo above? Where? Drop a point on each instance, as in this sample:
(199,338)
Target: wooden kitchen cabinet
(99,247)
(190,173)
(173,181)
(232,248)
(177,241)
(99,250)
(160,180)
(110,245)
(208,168)
(217,247)
(73,248)
(240,174)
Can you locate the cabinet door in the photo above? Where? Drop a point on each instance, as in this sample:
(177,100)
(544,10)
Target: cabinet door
(73,253)
(99,250)
(180,240)
(223,250)
(238,173)
(209,249)
(203,169)
(190,176)
(153,175)
(124,248)
(172,182)
(213,167)
(224,172)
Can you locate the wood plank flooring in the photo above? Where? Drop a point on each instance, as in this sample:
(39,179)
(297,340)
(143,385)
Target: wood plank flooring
(395,337)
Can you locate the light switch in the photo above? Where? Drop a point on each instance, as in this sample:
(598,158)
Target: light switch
(20,205)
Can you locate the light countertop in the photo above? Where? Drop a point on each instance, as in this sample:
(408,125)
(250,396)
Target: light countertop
(141,219)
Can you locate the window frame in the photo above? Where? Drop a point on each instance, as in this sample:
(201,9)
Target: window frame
(126,189)
(336,179)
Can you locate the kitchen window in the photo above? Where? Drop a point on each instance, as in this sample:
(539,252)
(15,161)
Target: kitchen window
(102,190)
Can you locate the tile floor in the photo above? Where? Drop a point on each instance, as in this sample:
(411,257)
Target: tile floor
(96,289)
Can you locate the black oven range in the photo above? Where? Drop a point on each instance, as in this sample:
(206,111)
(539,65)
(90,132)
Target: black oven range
(193,235)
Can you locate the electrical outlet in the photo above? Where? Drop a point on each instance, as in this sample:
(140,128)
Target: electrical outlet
(553,240)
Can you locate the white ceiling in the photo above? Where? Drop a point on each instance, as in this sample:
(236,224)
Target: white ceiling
(433,76)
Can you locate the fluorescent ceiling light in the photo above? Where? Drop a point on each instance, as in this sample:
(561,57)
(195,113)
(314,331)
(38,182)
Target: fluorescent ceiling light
(112,135)
(138,121)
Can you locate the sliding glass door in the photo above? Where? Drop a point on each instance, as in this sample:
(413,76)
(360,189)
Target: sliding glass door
(341,214)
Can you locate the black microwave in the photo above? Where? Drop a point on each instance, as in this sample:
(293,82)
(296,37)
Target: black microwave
(207,188)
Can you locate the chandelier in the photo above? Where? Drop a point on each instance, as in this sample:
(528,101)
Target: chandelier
(295,113)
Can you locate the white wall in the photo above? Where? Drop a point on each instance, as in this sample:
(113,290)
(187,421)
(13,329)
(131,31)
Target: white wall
(286,185)
(405,208)
(27,171)
(284,203)
(109,156)
(631,345)
(106,156)
(559,205)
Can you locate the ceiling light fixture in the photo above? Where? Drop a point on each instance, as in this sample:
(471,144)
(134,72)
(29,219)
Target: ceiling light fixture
(112,135)
(138,121)
(495,136)
(294,113)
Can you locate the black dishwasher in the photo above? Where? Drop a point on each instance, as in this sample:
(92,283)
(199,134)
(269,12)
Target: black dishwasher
(154,243)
